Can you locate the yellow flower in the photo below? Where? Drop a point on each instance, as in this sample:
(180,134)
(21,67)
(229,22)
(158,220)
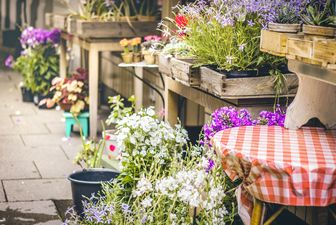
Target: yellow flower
(80,84)
(136,41)
(72,86)
(77,107)
(124,42)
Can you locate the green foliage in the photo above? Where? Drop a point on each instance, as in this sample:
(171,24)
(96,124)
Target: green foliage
(320,14)
(38,67)
(118,109)
(148,8)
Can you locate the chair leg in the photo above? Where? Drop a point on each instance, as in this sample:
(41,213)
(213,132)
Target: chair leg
(257,214)
(68,128)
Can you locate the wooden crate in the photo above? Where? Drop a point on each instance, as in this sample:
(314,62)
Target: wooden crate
(275,43)
(71,24)
(165,65)
(232,88)
(98,29)
(313,51)
(183,70)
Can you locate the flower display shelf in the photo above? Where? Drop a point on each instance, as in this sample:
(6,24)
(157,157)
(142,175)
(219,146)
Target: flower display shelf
(182,70)
(110,29)
(231,88)
(315,51)
(275,43)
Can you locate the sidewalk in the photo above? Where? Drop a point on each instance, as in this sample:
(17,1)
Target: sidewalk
(35,159)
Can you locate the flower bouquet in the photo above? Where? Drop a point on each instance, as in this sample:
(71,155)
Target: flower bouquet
(71,94)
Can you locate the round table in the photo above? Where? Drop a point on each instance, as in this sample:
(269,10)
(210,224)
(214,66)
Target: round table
(278,165)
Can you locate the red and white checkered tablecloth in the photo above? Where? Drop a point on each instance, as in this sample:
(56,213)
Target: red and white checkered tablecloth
(288,167)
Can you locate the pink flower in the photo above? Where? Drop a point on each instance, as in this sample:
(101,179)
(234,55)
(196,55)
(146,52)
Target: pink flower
(9,62)
(112,148)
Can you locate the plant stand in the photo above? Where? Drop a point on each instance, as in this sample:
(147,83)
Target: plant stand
(94,47)
(70,121)
(316,96)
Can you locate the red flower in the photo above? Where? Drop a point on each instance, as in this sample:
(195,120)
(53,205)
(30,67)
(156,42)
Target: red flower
(107,137)
(112,148)
(181,21)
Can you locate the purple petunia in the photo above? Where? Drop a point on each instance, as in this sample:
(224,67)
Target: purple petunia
(9,62)
(33,37)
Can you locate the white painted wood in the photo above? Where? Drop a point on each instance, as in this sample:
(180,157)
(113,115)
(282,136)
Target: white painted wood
(138,88)
(93,90)
(315,98)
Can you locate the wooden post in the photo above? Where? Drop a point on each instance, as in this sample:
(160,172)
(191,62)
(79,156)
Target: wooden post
(138,87)
(63,60)
(167,7)
(171,105)
(93,89)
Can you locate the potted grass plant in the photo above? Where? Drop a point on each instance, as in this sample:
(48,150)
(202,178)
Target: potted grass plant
(148,10)
(319,18)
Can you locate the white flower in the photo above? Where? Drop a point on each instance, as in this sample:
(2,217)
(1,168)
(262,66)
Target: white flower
(147,202)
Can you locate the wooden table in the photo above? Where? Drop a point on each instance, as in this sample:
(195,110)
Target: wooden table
(316,96)
(94,47)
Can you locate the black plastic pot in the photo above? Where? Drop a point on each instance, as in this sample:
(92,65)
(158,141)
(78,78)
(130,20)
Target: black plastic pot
(241,74)
(27,95)
(87,182)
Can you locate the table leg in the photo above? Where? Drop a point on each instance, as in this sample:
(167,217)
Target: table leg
(93,90)
(63,61)
(258,211)
(171,105)
(138,88)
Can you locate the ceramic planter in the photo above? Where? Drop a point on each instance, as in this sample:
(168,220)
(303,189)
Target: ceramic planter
(285,28)
(319,30)
(87,182)
(127,57)
(149,58)
(111,150)
(137,57)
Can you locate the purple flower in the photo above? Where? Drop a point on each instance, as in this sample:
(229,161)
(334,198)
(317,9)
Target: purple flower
(211,165)
(9,62)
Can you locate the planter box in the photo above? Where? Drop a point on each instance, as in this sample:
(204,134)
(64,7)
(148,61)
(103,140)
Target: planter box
(182,70)
(317,51)
(59,21)
(95,29)
(252,87)
(275,43)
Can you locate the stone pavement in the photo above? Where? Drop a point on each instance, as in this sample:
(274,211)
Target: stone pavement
(35,159)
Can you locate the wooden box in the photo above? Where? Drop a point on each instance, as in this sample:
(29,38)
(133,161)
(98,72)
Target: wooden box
(98,29)
(165,65)
(183,70)
(59,21)
(313,51)
(232,88)
(275,43)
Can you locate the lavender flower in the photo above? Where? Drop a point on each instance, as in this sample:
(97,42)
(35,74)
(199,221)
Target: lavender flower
(9,62)
(33,37)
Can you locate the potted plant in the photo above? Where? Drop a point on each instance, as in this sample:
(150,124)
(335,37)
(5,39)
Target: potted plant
(71,94)
(135,43)
(286,16)
(319,18)
(148,10)
(151,48)
(127,55)
(38,62)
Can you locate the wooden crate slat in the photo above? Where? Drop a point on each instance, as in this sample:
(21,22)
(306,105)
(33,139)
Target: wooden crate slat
(300,47)
(184,71)
(275,43)
(325,51)
(59,21)
(91,29)
(211,81)
(165,65)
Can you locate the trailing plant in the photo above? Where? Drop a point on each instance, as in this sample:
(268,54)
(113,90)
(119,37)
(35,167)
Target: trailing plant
(320,13)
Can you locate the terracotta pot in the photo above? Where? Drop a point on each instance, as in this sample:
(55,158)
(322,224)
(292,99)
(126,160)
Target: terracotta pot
(65,107)
(286,28)
(149,58)
(127,57)
(319,30)
(137,57)
(146,18)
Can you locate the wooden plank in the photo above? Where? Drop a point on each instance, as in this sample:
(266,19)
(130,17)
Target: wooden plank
(93,90)
(59,21)
(165,65)
(325,51)
(48,19)
(300,47)
(95,29)
(275,43)
(183,71)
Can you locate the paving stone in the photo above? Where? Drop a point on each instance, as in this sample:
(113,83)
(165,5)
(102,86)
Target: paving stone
(72,147)
(44,140)
(16,108)
(2,194)
(24,129)
(29,213)
(60,168)
(38,189)
(38,118)
(18,170)
(7,141)
(56,127)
